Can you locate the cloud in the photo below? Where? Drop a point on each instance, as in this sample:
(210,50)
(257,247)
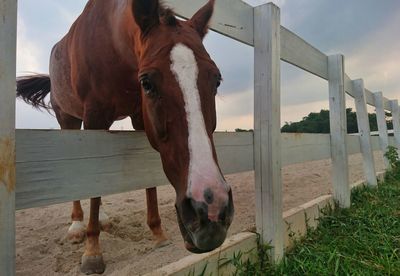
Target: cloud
(232,123)
(67,15)
(29,118)
(28,52)
(235,104)
(376,60)
(300,87)
(235,111)
(234,60)
(294,113)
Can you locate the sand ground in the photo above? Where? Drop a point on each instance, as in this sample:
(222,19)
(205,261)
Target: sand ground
(42,248)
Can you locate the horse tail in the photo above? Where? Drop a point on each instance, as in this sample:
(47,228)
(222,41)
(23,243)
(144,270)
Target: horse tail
(34,89)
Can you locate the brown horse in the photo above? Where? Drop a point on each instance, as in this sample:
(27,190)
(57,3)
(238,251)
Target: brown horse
(134,58)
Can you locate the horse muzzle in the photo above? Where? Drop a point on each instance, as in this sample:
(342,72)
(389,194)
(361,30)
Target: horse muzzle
(200,231)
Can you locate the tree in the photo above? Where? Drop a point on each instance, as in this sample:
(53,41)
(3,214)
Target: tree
(243,130)
(319,123)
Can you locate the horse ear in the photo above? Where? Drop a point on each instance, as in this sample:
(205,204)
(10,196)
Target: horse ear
(145,13)
(202,17)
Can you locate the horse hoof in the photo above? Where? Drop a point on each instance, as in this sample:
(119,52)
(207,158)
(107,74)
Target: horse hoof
(76,232)
(92,265)
(161,242)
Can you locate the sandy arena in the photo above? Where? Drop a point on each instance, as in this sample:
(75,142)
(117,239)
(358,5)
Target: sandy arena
(42,248)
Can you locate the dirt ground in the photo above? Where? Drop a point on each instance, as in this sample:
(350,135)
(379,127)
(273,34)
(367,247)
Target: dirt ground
(42,248)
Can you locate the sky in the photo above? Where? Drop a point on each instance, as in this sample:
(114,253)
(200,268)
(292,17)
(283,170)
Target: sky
(367,32)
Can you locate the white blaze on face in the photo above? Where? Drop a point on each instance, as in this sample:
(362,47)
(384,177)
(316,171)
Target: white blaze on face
(203,171)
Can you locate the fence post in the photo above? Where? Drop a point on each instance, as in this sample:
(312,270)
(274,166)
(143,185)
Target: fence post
(382,126)
(267,135)
(365,132)
(8,26)
(338,128)
(396,122)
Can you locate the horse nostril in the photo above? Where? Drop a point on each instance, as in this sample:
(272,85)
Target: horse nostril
(201,210)
(209,196)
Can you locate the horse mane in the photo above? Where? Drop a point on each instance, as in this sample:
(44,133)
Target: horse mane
(167,16)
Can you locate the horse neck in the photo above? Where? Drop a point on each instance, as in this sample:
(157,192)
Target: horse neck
(125,32)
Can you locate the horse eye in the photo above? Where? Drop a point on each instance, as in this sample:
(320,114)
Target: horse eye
(146,84)
(219,80)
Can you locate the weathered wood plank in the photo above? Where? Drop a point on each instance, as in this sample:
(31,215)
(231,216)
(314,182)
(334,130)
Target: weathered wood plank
(365,132)
(300,53)
(353,144)
(59,166)
(348,85)
(215,262)
(234,151)
(369,97)
(376,143)
(338,127)
(233,18)
(267,136)
(382,127)
(392,141)
(8,27)
(304,147)
(386,104)
(396,122)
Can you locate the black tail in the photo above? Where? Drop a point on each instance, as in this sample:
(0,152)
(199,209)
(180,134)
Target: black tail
(34,89)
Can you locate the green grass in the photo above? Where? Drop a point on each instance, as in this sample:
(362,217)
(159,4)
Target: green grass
(361,240)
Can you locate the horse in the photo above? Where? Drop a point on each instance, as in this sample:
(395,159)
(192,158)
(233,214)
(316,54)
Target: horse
(134,58)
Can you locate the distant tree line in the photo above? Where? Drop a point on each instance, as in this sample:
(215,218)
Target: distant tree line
(243,130)
(319,123)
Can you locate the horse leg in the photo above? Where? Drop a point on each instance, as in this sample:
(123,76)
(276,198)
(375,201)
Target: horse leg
(153,218)
(105,222)
(92,259)
(77,230)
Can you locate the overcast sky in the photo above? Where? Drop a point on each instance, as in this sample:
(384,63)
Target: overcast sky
(367,32)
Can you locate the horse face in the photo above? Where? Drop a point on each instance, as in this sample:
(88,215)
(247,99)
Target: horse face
(179,83)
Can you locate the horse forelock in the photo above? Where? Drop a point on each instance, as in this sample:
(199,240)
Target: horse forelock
(167,16)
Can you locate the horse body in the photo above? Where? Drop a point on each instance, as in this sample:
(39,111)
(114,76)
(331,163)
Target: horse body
(83,63)
(134,58)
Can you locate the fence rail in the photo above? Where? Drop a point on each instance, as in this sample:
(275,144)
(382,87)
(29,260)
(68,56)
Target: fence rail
(56,166)
(59,166)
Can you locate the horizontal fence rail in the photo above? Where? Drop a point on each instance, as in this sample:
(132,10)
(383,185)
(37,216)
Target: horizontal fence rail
(298,52)
(232,18)
(56,166)
(59,166)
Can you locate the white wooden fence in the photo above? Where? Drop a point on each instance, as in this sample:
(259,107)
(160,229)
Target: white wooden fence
(58,166)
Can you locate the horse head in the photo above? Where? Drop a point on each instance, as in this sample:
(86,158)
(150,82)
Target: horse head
(179,82)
